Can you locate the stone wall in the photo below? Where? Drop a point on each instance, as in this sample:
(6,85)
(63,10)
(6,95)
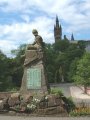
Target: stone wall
(5,94)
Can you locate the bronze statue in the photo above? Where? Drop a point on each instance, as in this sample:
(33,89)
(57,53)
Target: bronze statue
(37,45)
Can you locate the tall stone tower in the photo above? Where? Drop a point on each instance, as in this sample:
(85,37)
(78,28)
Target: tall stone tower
(57,31)
(72,37)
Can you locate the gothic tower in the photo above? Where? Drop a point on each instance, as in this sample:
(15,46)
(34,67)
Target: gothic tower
(57,31)
(72,37)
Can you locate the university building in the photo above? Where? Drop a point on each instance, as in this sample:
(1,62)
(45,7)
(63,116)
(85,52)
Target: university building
(58,35)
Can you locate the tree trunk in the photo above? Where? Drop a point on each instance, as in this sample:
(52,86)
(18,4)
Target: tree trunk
(85,89)
(62,79)
(61,73)
(55,79)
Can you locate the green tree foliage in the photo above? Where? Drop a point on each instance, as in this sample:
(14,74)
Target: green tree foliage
(60,63)
(50,61)
(65,56)
(61,45)
(82,44)
(82,75)
(5,73)
(72,69)
(19,51)
(17,65)
(11,69)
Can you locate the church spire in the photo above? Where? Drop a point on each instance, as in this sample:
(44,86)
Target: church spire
(57,30)
(60,31)
(57,21)
(72,37)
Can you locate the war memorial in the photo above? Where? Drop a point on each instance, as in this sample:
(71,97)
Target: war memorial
(34,77)
(34,96)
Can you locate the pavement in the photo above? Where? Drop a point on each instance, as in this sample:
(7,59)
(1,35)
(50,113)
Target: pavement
(71,90)
(78,95)
(77,92)
(42,118)
(64,87)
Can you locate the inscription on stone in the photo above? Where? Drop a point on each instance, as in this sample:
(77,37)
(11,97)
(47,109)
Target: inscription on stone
(33,78)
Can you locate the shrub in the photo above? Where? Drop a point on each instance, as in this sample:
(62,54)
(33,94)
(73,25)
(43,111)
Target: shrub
(69,103)
(56,91)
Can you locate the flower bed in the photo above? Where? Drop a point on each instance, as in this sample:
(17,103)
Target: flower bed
(80,112)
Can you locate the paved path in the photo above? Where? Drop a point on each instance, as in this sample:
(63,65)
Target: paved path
(69,89)
(42,118)
(78,95)
(64,87)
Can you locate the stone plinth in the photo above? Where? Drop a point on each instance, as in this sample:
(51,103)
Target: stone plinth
(34,78)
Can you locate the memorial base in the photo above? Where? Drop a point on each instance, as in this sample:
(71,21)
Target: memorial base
(34,78)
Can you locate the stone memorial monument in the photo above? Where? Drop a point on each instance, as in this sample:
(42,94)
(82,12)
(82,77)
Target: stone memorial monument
(34,76)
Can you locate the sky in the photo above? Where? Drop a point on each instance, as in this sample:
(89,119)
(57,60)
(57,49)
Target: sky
(19,17)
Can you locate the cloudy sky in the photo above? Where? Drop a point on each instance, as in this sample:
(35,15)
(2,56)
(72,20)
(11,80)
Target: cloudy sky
(19,17)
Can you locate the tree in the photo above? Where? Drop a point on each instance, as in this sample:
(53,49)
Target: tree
(50,61)
(61,45)
(19,51)
(5,72)
(82,75)
(59,62)
(61,71)
(17,65)
(72,69)
(82,44)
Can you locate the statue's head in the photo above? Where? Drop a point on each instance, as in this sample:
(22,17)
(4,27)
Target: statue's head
(35,32)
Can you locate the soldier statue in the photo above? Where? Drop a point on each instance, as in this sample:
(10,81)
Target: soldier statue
(37,45)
